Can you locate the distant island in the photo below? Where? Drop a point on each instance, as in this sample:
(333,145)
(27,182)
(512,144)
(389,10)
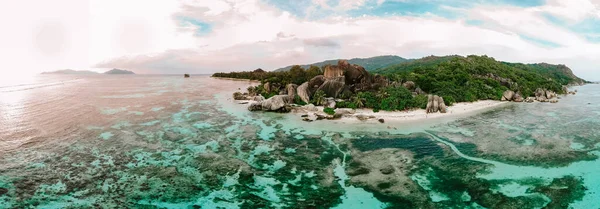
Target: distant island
(118,72)
(432,83)
(87,72)
(71,72)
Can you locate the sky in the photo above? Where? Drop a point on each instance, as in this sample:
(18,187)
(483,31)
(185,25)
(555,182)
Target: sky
(207,36)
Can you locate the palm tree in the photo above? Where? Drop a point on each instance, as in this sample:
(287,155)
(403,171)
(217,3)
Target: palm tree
(319,97)
(382,94)
(358,102)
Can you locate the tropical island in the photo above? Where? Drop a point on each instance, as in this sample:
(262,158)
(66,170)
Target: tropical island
(119,72)
(430,83)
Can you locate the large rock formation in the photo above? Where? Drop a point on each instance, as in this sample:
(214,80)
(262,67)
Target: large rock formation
(267,87)
(442,105)
(315,83)
(435,103)
(332,87)
(334,71)
(543,95)
(277,103)
(518,97)
(409,85)
(508,95)
(303,92)
(291,90)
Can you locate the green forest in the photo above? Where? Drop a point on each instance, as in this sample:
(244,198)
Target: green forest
(454,78)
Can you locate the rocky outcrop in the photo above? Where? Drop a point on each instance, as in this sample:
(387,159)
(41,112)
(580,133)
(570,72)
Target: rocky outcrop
(503,81)
(353,73)
(543,95)
(539,93)
(530,99)
(409,85)
(259,98)
(291,90)
(550,94)
(419,91)
(303,92)
(435,103)
(277,103)
(442,105)
(332,87)
(334,71)
(508,95)
(315,83)
(267,87)
(518,97)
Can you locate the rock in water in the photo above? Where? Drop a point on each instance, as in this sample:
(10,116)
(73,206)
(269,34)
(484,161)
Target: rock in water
(565,90)
(303,92)
(381,120)
(550,94)
(186,75)
(239,96)
(508,95)
(259,98)
(257,106)
(539,93)
(530,99)
(442,105)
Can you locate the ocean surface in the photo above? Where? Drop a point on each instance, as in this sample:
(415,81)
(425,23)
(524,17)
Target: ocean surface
(133,141)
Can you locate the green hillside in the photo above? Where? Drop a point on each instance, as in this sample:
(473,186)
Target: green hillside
(473,77)
(370,64)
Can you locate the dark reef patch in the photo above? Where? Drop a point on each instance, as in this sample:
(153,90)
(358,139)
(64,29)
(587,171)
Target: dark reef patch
(422,145)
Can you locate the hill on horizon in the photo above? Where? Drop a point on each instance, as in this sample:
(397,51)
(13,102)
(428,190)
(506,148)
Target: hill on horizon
(119,72)
(370,64)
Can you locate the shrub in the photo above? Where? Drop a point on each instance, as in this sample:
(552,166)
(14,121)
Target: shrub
(329,111)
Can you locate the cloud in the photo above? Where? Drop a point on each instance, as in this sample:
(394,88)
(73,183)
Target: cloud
(196,36)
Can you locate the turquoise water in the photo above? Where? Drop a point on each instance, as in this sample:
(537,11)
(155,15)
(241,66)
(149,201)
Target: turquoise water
(169,142)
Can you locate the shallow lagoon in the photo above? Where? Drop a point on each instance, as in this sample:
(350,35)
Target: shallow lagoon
(169,142)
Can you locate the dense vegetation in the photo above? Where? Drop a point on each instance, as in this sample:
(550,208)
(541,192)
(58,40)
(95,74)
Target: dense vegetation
(370,64)
(454,78)
(466,79)
(296,75)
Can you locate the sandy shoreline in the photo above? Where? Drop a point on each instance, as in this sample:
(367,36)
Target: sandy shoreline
(457,110)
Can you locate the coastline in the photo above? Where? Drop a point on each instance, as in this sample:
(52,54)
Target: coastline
(415,115)
(458,109)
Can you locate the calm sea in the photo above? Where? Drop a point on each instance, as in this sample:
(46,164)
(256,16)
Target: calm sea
(133,141)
